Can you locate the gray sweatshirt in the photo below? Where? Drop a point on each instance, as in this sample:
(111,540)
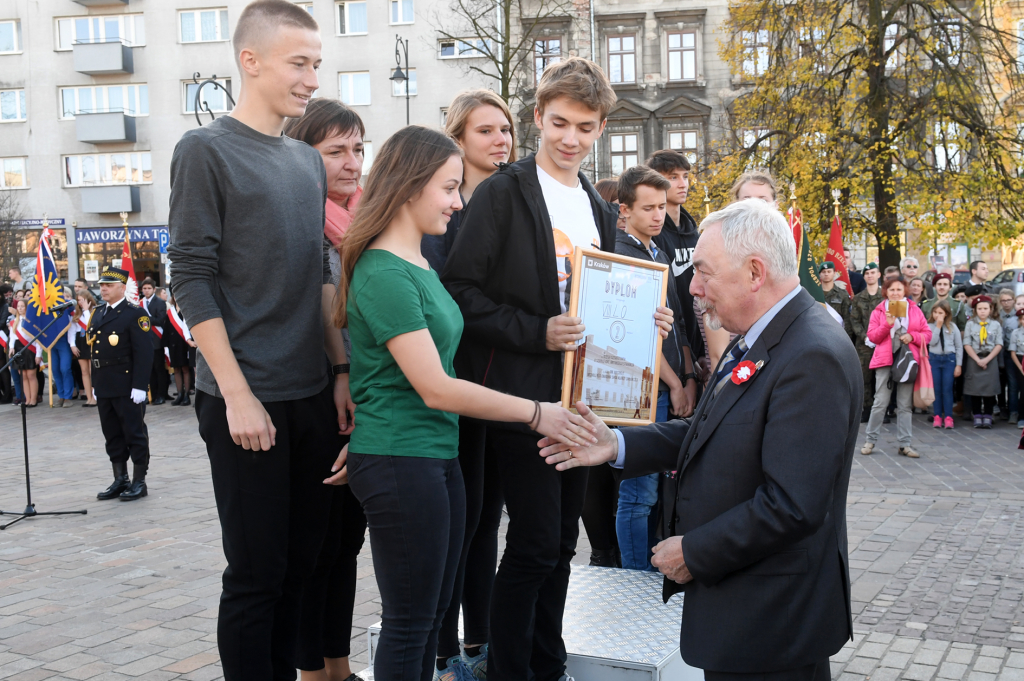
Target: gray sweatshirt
(247,245)
(947,343)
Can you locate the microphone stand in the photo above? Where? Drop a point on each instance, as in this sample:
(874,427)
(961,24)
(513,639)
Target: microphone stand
(30,508)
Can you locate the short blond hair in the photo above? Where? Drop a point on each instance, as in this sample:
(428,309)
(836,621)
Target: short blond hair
(469,101)
(261,18)
(759,176)
(581,80)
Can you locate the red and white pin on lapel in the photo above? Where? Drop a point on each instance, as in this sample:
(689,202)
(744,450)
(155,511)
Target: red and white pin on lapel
(745,371)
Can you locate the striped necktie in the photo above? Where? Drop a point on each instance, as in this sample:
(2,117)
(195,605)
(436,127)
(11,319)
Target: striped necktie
(734,357)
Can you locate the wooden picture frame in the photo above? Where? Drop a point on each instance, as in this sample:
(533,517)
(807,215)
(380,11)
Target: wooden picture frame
(614,369)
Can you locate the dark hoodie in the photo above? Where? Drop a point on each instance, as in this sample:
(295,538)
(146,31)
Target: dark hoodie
(678,242)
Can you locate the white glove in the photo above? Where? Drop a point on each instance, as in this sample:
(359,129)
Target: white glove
(138,396)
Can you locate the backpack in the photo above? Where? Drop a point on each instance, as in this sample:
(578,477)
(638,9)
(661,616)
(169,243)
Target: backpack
(904,366)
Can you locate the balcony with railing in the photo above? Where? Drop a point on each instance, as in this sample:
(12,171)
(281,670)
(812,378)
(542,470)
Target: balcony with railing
(101,3)
(111,199)
(104,127)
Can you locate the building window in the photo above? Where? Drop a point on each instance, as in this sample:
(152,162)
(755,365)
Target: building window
(625,154)
(401,12)
(947,147)
(545,53)
(755,48)
(622,59)
(87,170)
(682,56)
(760,152)
(1020,44)
(308,6)
(203,25)
(465,48)
(130,99)
(684,141)
(129,29)
(355,88)
(367,157)
(10,37)
(214,97)
(14,173)
(12,106)
(398,87)
(889,43)
(351,17)
(444,116)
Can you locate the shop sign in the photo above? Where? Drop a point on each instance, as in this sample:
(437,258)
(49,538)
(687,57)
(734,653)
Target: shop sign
(109,235)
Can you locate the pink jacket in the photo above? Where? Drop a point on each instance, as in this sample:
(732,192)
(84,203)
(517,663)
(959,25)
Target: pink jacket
(878,333)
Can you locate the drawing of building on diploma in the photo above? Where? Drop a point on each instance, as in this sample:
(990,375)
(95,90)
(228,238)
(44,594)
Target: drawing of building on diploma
(609,384)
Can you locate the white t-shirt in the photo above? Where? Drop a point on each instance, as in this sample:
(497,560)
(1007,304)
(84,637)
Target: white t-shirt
(572,221)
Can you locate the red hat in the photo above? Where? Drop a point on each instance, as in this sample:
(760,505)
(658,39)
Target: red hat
(1020,312)
(945,276)
(981,299)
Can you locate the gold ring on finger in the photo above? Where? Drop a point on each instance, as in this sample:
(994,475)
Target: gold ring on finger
(570,453)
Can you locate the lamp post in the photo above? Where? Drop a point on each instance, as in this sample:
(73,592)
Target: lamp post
(400,76)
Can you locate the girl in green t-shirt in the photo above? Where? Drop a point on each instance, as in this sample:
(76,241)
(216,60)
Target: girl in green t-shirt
(401,462)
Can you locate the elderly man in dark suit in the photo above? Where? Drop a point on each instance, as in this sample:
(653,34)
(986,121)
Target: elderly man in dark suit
(758,541)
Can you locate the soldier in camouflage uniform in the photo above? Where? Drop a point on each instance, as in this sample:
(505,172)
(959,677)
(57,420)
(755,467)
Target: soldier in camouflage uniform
(863,305)
(836,295)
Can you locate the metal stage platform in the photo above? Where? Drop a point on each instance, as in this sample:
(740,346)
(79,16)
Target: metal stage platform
(615,628)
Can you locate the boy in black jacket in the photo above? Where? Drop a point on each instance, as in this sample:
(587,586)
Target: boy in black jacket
(509,271)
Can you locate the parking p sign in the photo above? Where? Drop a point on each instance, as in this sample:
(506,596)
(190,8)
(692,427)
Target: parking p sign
(165,239)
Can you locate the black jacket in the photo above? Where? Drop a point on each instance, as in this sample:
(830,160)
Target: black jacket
(157,317)
(761,499)
(671,347)
(501,272)
(118,367)
(678,242)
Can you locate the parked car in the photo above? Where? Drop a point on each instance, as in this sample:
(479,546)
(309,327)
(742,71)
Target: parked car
(1012,279)
(959,276)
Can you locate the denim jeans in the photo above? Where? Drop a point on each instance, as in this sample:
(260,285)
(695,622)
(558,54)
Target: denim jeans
(943,367)
(634,524)
(60,368)
(19,391)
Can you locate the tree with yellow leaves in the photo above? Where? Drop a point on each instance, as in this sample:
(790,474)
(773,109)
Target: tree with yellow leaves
(909,107)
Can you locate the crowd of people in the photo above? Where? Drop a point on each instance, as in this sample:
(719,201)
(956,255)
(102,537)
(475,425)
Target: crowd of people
(404,379)
(68,359)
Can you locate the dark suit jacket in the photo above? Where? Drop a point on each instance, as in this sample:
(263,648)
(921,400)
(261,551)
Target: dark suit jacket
(157,317)
(130,358)
(761,499)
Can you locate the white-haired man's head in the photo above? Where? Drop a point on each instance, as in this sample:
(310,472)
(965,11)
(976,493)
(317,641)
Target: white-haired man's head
(744,263)
(910,267)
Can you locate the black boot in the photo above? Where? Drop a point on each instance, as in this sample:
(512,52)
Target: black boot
(177,400)
(185,401)
(604,558)
(119,485)
(137,489)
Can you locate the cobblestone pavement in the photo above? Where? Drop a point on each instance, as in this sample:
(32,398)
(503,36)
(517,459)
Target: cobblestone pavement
(130,591)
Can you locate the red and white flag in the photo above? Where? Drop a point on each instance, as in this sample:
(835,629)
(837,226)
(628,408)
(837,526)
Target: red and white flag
(3,339)
(836,252)
(131,291)
(178,323)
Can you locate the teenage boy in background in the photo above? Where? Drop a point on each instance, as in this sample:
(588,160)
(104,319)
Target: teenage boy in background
(263,400)
(509,271)
(642,203)
(678,239)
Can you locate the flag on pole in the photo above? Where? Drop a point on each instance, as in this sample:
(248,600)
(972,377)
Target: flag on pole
(807,267)
(836,252)
(47,293)
(131,291)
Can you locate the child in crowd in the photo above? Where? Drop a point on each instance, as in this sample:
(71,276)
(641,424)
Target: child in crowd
(983,341)
(1016,355)
(945,353)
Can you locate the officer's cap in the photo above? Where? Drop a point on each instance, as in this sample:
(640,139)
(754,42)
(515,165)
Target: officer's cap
(112,275)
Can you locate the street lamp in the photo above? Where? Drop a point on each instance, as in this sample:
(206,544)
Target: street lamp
(400,76)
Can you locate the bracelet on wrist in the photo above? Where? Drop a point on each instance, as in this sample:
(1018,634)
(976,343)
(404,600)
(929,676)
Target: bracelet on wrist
(340,369)
(534,422)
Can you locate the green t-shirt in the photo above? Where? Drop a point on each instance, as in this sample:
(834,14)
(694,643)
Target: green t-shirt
(389,296)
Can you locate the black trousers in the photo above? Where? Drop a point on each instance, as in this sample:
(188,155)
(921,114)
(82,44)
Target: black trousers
(158,377)
(818,671)
(326,625)
(273,509)
(982,405)
(474,578)
(125,432)
(599,508)
(416,510)
(528,600)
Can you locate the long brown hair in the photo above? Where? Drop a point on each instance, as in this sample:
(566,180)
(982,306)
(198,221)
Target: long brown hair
(469,101)
(403,167)
(78,308)
(944,306)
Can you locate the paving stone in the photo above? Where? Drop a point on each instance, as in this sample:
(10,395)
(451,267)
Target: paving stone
(919,672)
(990,665)
(951,670)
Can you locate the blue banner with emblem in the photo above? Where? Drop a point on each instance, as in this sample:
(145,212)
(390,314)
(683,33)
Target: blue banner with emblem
(47,293)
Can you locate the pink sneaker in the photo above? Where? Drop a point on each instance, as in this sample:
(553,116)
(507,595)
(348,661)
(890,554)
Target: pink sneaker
(949,422)
(937,423)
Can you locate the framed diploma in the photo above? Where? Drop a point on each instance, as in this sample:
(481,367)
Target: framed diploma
(614,369)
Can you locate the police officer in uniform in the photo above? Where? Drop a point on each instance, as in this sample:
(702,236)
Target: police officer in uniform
(122,356)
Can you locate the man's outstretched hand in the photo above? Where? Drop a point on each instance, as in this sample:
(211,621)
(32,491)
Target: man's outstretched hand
(564,457)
